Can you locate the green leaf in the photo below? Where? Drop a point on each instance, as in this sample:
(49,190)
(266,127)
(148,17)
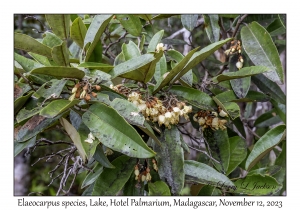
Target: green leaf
(141,46)
(60,24)
(75,137)
(111,181)
(207,190)
(133,188)
(244,72)
(267,171)
(265,144)
(100,157)
(260,48)
(129,111)
(130,50)
(59,72)
(189,21)
(276,28)
(280,110)
(194,97)
(92,176)
(34,126)
(220,148)
(131,23)
(19,102)
(238,152)
(201,55)
(154,41)
(94,33)
(19,146)
(51,40)
(212,27)
(162,16)
(96,55)
(56,107)
(239,126)
(29,44)
(269,88)
(41,59)
(253,96)
(170,160)
(26,63)
(231,108)
(257,185)
(60,54)
(175,71)
(24,114)
(20,89)
(78,32)
(138,63)
(267,119)
(202,173)
(149,131)
(99,66)
(56,86)
(158,188)
(114,132)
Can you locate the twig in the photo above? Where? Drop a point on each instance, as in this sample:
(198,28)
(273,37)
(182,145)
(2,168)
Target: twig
(204,152)
(117,41)
(238,25)
(252,131)
(27,81)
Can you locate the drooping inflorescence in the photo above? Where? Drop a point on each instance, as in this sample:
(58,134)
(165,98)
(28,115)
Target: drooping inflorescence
(210,119)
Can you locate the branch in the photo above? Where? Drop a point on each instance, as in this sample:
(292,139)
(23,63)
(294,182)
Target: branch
(117,41)
(238,25)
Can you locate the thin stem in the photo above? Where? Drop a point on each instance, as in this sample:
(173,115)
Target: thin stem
(238,25)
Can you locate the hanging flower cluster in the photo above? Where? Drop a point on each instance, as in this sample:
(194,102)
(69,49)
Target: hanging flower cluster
(84,90)
(142,175)
(236,47)
(209,119)
(166,112)
(120,88)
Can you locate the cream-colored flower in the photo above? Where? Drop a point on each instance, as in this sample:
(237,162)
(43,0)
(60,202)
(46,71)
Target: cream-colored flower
(134,96)
(187,109)
(223,114)
(201,121)
(168,115)
(161,119)
(142,107)
(72,97)
(159,47)
(215,123)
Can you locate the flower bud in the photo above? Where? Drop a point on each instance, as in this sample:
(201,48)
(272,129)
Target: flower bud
(72,97)
(87,97)
(161,119)
(98,87)
(223,114)
(82,95)
(94,94)
(168,115)
(239,65)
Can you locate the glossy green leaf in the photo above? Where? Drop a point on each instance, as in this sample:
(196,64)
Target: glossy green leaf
(208,190)
(114,132)
(75,137)
(194,97)
(276,28)
(253,96)
(149,131)
(269,88)
(240,126)
(41,59)
(94,33)
(175,71)
(131,23)
(281,161)
(265,144)
(138,63)
(267,171)
(129,111)
(260,48)
(212,27)
(238,152)
(18,104)
(231,108)
(202,173)
(244,72)
(51,40)
(160,69)
(219,147)
(256,185)
(24,114)
(60,24)
(100,66)
(280,110)
(59,72)
(96,55)
(60,54)
(29,44)
(130,50)
(141,45)
(56,107)
(267,119)
(89,190)
(20,89)
(112,180)
(158,188)
(89,148)
(52,87)
(155,40)
(34,126)
(100,157)
(92,176)
(201,55)
(189,21)
(26,63)
(78,31)
(170,160)
(19,146)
